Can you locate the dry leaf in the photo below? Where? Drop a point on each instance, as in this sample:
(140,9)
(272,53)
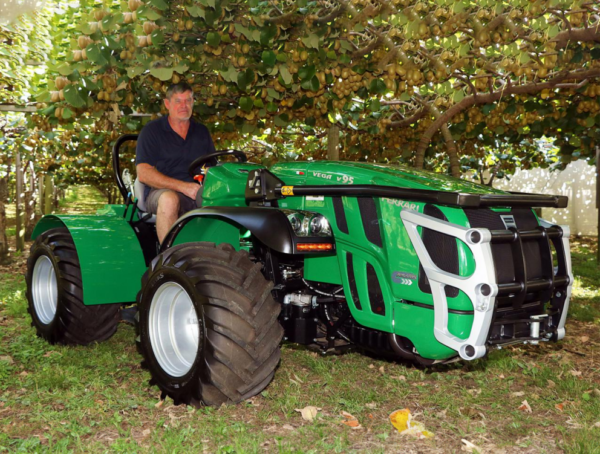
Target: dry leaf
(398,377)
(518,394)
(288,427)
(146,432)
(308,413)
(551,384)
(8,359)
(24,373)
(371,405)
(596,392)
(525,407)
(159,404)
(575,373)
(474,392)
(402,421)
(350,420)
(597,424)
(584,339)
(382,370)
(298,379)
(50,353)
(371,366)
(559,407)
(469,447)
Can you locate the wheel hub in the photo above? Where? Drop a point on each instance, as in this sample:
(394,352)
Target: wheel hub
(44,289)
(173,329)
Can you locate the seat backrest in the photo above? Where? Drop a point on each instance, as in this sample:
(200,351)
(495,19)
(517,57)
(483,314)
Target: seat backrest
(139,191)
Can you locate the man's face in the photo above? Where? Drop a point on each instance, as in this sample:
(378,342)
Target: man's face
(180,105)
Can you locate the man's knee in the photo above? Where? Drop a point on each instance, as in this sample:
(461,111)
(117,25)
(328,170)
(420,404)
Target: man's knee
(168,202)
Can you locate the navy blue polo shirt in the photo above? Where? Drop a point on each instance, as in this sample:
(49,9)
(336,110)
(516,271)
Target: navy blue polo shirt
(161,147)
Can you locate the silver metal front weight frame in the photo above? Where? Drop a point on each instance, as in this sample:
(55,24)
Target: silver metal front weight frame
(480,287)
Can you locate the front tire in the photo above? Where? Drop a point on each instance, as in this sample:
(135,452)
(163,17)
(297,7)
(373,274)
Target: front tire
(208,325)
(55,294)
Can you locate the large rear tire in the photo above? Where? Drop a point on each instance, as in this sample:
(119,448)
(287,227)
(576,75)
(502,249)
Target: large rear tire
(208,325)
(55,294)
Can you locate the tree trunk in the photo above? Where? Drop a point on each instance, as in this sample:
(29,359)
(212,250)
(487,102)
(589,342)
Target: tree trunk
(20,230)
(3,238)
(452,152)
(333,142)
(48,190)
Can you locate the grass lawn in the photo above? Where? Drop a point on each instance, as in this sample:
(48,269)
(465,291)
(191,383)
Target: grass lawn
(97,399)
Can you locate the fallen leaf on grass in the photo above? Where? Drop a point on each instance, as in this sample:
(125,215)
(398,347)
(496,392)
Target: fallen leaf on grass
(288,427)
(597,424)
(518,394)
(371,366)
(474,392)
(584,339)
(159,404)
(371,405)
(560,406)
(596,392)
(8,359)
(402,421)
(469,447)
(24,373)
(551,384)
(398,377)
(525,407)
(350,420)
(50,353)
(382,370)
(575,373)
(308,413)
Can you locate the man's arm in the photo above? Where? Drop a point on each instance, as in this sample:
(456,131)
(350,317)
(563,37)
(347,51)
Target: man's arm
(148,175)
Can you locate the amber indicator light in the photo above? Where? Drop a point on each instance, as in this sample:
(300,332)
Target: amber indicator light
(314,246)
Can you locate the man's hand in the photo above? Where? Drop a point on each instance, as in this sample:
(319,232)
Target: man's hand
(189,189)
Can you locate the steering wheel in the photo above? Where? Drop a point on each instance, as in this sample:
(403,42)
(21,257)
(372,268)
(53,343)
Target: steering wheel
(199,162)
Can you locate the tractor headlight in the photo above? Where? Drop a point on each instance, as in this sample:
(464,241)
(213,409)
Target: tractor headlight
(319,226)
(307,224)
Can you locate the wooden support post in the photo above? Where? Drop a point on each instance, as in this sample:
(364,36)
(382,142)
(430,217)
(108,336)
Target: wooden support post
(48,193)
(333,142)
(598,203)
(20,208)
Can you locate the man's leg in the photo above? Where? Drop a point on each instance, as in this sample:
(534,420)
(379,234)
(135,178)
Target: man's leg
(167,213)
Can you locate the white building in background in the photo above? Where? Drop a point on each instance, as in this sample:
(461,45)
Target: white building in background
(577,181)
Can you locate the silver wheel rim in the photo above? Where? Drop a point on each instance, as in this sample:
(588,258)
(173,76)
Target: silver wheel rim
(44,289)
(173,329)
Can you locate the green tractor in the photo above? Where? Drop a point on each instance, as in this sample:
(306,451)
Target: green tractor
(407,264)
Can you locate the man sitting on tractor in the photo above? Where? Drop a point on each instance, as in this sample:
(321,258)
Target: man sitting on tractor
(165,149)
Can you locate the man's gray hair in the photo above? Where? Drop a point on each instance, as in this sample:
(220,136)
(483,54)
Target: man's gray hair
(180,87)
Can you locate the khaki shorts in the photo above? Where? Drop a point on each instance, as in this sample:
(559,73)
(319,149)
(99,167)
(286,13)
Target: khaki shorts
(185,203)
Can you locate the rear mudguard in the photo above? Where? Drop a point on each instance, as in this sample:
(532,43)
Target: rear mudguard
(110,255)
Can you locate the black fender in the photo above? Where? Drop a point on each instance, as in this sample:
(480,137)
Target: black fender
(268,225)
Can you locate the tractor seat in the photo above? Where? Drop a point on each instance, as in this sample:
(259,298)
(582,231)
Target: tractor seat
(139,192)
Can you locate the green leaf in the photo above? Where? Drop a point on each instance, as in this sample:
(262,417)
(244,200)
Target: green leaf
(285,74)
(134,71)
(157,37)
(590,121)
(67,113)
(96,55)
(311,41)
(248,128)
(196,11)
(282,57)
(213,39)
(258,103)
(152,14)
(553,31)
(162,73)
(595,53)
(307,72)
(160,4)
(499,130)
(73,97)
(231,75)
(377,86)
(246,103)
(65,70)
(267,34)
(271,107)
(269,58)
(405,96)
(524,58)
(375,105)
(181,68)
(282,120)
(312,84)
(244,31)
(458,96)
(486,109)
(245,78)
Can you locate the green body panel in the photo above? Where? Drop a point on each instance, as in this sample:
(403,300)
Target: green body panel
(225,186)
(110,256)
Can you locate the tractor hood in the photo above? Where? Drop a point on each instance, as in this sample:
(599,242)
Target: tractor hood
(344,172)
